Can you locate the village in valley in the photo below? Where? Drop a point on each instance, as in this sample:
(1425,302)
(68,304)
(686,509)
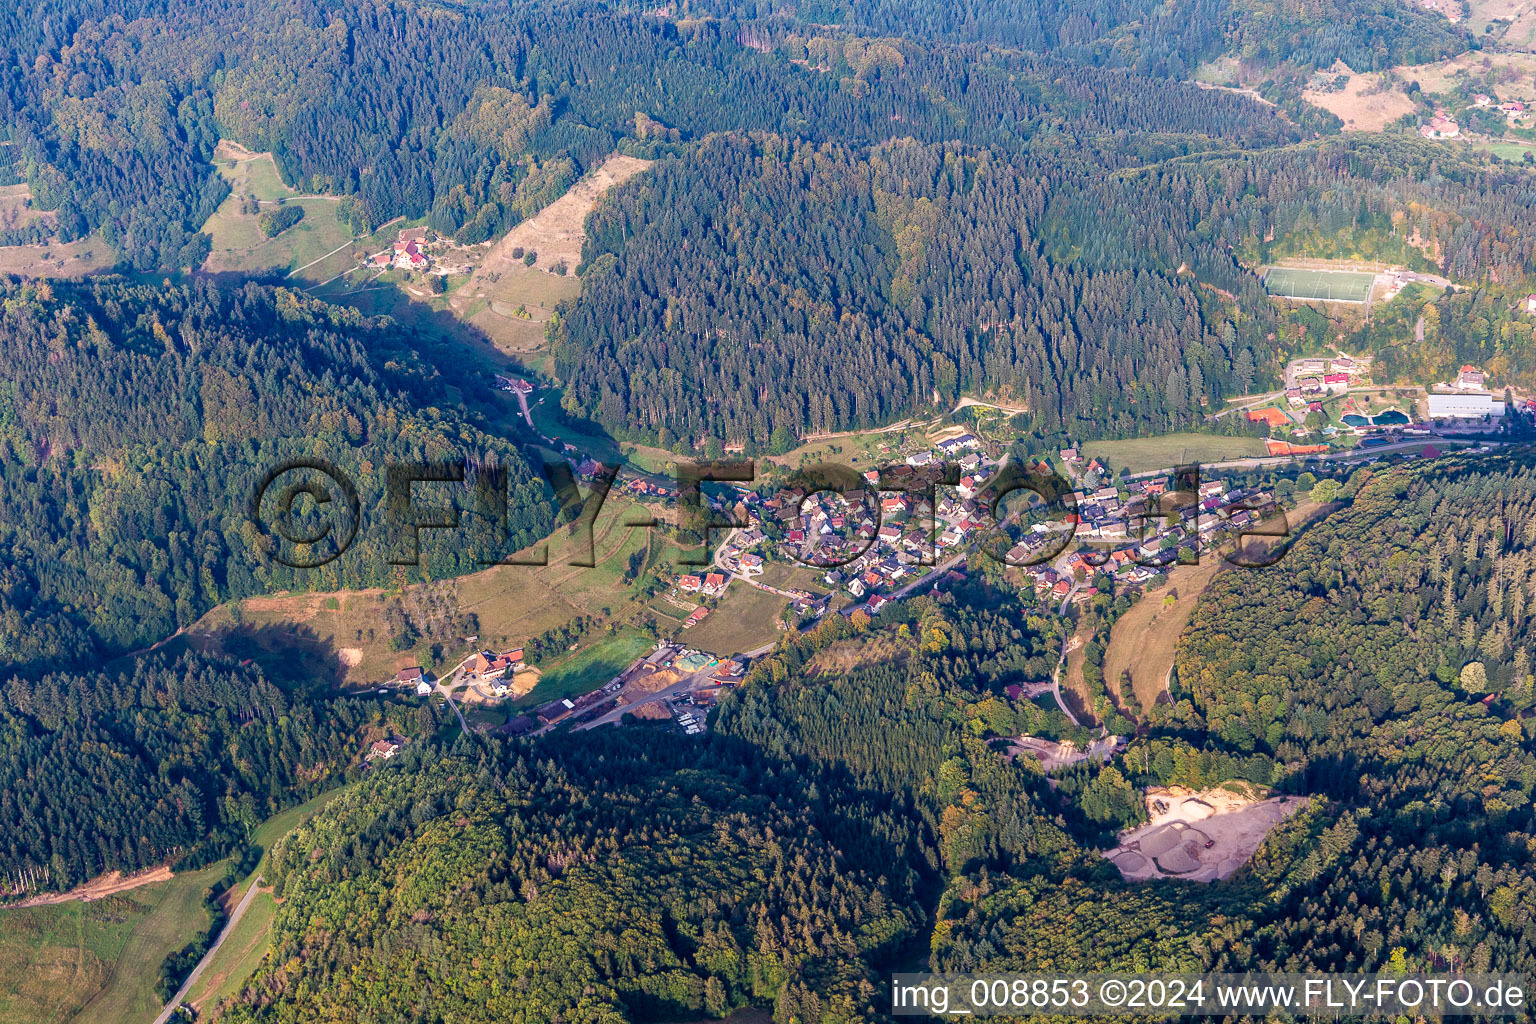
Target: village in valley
(1120,530)
(1125,525)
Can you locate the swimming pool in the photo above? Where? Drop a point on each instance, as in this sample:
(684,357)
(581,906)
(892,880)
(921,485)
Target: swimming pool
(1390,418)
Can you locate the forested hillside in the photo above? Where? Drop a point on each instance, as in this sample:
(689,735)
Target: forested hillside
(138,420)
(847,817)
(160,761)
(1390,654)
(1019,202)
(1166,39)
(606,879)
(624,875)
(753,291)
(469,113)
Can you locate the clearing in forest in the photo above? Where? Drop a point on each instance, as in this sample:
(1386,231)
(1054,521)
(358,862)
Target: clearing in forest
(239,246)
(1365,103)
(512,300)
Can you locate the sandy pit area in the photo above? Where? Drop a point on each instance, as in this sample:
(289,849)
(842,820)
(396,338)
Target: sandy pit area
(99,888)
(1201,835)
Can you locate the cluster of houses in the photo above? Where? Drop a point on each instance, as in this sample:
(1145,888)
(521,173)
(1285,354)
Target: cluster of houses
(408,253)
(414,678)
(1134,531)
(493,671)
(870,541)
(413,250)
(640,487)
(1441,126)
(1133,527)
(1513,109)
(1310,390)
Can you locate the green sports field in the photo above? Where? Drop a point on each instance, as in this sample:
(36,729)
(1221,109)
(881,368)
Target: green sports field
(1327,285)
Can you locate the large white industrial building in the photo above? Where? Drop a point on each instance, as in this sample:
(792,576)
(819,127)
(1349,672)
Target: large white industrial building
(1464,406)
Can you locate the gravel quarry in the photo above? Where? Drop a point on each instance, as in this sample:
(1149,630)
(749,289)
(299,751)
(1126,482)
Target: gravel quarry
(1203,836)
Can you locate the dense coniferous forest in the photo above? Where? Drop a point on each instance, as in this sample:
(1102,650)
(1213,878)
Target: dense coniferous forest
(1165,39)
(160,761)
(754,291)
(148,417)
(946,139)
(474,113)
(603,879)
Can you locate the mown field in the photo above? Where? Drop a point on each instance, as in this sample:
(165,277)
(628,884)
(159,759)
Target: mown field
(98,962)
(1145,454)
(345,637)
(864,450)
(54,960)
(591,665)
(308,249)
(746,618)
(57,259)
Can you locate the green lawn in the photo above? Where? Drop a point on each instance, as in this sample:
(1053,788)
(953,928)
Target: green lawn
(97,963)
(1510,150)
(588,667)
(1144,454)
(745,619)
(792,576)
(1330,285)
(240,246)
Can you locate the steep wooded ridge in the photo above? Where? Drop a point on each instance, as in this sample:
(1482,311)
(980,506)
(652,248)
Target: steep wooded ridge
(1158,38)
(463,112)
(755,290)
(161,761)
(466,111)
(138,420)
(983,198)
